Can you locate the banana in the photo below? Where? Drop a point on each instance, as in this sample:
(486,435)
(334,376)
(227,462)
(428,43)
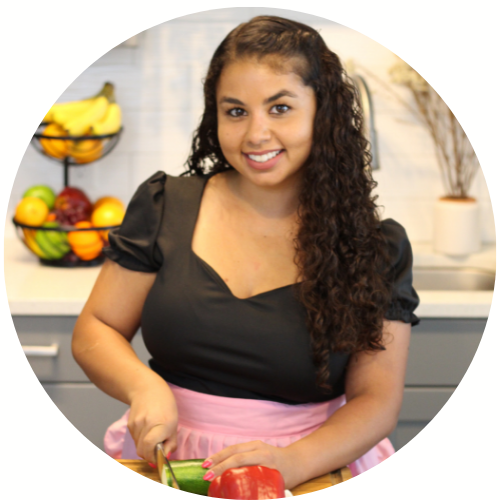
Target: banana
(86,151)
(70,110)
(55,147)
(64,108)
(81,123)
(30,242)
(63,112)
(110,123)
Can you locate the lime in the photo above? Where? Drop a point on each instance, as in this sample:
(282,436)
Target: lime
(45,193)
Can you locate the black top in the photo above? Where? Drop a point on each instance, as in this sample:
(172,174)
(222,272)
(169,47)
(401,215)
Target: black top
(199,334)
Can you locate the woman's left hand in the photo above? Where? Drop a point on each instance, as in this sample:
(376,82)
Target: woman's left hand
(252,453)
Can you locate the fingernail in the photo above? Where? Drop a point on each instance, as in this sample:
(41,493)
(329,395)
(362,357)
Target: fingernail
(168,454)
(152,465)
(209,475)
(206,464)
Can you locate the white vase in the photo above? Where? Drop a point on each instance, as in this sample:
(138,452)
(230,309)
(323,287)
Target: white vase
(457,228)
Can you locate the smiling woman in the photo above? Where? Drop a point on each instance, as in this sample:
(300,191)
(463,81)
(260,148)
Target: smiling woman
(275,304)
(265,121)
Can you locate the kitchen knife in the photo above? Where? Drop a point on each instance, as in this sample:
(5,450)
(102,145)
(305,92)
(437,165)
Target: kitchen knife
(161,461)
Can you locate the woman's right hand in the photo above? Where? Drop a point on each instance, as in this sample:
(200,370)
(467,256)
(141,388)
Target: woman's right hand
(101,345)
(153,419)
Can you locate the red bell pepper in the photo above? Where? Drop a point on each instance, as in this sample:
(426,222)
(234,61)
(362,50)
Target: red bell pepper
(254,482)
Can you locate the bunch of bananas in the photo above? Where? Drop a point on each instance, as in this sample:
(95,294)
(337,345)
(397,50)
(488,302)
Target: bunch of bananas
(96,115)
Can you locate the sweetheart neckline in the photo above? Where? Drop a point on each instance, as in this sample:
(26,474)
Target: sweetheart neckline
(208,266)
(219,279)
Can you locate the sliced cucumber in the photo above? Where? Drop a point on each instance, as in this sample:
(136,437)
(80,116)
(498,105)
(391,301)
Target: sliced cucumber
(189,475)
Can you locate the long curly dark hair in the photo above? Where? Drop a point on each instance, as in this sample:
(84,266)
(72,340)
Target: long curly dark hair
(340,250)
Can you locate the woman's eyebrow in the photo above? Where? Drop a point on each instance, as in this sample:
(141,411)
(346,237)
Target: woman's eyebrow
(279,95)
(275,97)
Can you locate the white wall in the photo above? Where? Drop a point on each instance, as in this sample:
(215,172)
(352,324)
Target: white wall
(158,84)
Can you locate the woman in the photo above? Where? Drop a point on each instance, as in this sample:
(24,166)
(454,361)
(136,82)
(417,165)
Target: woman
(276,306)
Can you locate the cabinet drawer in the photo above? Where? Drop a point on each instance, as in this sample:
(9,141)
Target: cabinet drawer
(90,410)
(420,406)
(45,331)
(441,350)
(405,432)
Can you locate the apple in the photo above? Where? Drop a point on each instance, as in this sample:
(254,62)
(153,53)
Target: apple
(71,206)
(45,193)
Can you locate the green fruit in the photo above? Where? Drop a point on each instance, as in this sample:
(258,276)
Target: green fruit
(45,193)
(52,243)
(189,475)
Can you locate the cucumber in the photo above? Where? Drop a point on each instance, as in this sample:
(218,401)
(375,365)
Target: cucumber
(189,475)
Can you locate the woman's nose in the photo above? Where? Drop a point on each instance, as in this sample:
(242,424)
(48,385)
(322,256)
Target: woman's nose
(258,130)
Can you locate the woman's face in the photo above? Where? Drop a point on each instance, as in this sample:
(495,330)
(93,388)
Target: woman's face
(265,121)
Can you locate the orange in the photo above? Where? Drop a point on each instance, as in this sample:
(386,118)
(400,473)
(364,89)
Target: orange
(89,252)
(31,211)
(108,199)
(85,244)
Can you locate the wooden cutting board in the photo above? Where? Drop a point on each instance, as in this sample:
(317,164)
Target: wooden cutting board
(319,483)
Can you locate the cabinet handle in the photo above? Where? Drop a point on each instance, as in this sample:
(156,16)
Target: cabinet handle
(45,351)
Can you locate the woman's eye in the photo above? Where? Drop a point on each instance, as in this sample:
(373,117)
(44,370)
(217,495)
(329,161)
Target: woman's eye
(236,112)
(280,108)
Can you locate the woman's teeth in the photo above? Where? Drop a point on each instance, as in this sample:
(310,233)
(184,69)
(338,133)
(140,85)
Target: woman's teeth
(264,158)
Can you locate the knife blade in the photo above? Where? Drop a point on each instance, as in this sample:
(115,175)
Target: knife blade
(161,461)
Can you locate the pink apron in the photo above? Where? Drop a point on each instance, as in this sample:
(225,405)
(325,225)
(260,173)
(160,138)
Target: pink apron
(207,424)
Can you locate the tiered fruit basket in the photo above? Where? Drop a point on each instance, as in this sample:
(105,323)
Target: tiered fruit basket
(68,230)
(57,249)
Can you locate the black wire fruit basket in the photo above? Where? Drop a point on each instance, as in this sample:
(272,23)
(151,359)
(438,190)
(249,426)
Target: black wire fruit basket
(74,151)
(57,243)
(80,245)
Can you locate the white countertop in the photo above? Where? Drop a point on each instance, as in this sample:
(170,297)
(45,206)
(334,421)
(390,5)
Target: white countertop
(33,289)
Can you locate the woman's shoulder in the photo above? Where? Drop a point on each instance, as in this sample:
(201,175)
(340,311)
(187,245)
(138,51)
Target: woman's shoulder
(134,244)
(161,178)
(393,230)
(405,299)
(398,243)
(166,187)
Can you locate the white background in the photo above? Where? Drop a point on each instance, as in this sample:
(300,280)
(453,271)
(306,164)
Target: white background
(452,44)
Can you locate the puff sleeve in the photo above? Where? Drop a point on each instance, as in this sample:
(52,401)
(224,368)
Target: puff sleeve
(134,244)
(404,298)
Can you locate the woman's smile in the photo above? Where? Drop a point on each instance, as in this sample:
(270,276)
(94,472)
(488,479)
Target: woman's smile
(264,159)
(265,121)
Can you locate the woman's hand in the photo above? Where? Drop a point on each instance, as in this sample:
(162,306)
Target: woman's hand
(252,453)
(153,419)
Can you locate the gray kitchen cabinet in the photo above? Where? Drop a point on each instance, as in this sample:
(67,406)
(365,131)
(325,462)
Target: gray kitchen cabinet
(441,350)
(89,409)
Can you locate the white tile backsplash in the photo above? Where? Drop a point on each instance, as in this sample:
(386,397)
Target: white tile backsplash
(159,87)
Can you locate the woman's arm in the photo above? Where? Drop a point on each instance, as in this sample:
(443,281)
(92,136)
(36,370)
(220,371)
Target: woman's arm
(374,392)
(101,346)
